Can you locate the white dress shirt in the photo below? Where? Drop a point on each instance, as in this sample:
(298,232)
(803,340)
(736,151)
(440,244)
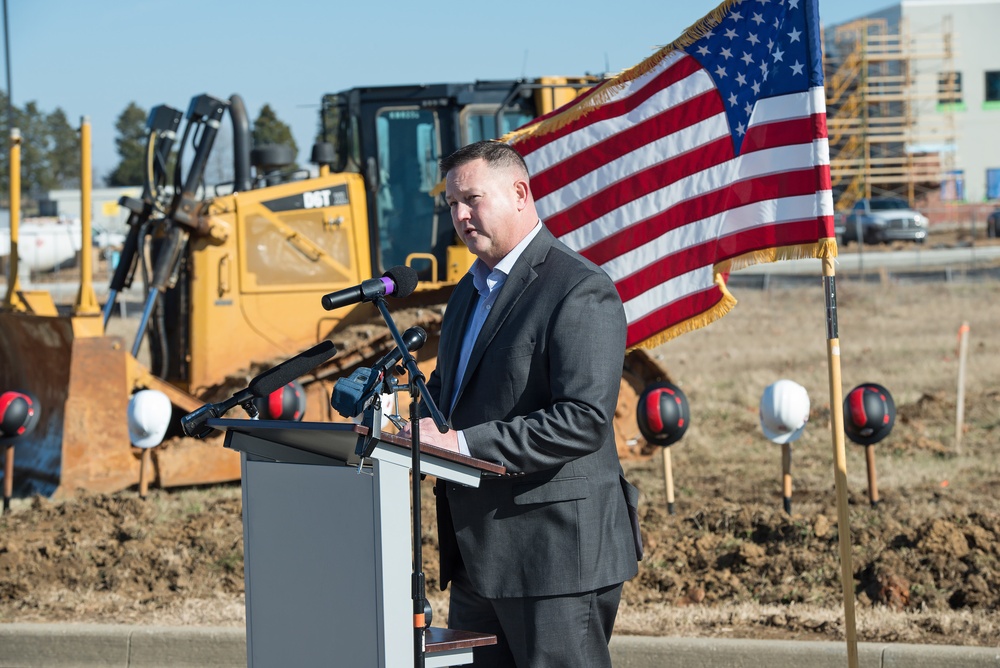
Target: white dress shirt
(488,283)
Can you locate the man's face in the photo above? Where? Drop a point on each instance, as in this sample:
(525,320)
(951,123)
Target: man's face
(485,206)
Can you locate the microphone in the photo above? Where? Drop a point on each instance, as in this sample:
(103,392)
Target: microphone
(399,281)
(193,423)
(269,381)
(414,338)
(263,385)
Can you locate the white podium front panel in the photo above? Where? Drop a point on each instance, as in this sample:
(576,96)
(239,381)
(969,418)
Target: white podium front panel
(315,569)
(327,549)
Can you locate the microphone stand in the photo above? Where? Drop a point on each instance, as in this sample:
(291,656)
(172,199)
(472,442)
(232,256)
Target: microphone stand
(418,390)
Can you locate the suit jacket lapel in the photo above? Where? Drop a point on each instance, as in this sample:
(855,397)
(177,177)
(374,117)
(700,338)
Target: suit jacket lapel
(520,277)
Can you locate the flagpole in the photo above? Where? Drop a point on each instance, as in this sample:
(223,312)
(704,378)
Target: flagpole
(840,458)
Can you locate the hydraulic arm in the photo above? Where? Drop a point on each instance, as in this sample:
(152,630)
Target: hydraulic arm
(204,116)
(161,130)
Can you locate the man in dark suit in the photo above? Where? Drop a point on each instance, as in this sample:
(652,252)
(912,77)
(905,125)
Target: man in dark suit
(528,373)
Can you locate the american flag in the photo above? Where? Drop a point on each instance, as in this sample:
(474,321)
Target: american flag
(707,156)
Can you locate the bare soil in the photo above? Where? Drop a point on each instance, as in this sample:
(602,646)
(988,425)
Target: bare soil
(925,564)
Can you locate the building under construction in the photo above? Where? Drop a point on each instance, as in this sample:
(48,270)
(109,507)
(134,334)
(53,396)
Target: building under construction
(913,103)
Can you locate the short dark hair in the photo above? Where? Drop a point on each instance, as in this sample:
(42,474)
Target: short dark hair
(495,153)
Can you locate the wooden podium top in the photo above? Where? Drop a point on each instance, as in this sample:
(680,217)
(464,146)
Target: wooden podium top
(444,640)
(427,449)
(302,435)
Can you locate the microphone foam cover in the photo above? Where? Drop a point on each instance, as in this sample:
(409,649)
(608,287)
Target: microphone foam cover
(404,278)
(289,370)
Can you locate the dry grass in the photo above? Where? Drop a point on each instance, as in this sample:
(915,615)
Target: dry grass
(901,336)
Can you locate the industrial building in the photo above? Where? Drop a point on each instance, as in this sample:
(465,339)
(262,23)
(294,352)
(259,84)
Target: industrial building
(913,104)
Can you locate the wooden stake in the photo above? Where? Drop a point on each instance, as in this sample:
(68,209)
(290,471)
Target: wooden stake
(8,476)
(144,466)
(840,460)
(668,479)
(872,478)
(963,352)
(786,477)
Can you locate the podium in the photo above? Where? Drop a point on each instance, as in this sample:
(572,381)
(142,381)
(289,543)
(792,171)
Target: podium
(328,549)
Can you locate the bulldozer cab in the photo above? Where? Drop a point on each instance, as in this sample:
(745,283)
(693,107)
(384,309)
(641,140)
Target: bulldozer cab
(394,137)
(259,260)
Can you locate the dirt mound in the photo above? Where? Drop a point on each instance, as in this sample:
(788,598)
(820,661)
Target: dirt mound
(151,552)
(727,553)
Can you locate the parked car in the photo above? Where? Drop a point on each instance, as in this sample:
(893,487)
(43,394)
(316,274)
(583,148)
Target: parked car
(993,224)
(884,219)
(838,226)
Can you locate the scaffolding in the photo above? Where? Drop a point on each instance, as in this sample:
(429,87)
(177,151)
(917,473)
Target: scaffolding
(891,98)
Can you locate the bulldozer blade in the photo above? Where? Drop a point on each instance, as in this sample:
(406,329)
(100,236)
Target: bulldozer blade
(80,382)
(186,461)
(96,452)
(83,383)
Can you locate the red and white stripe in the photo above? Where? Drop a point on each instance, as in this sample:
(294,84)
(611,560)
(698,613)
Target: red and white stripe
(647,186)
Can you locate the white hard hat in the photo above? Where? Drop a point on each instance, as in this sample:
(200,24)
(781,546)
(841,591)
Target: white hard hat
(784,411)
(149,413)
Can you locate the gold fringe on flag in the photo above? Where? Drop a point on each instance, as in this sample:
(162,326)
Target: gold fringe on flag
(704,318)
(822,249)
(610,88)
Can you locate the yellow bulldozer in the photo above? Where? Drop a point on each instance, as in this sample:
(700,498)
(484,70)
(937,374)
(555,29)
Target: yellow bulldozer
(233,275)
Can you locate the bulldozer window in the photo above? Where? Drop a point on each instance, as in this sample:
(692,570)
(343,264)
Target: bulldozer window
(340,128)
(408,153)
(479,122)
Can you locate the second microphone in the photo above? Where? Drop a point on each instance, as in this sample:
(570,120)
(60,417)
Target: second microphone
(399,281)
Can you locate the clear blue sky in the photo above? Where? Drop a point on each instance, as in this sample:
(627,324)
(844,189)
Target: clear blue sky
(93,58)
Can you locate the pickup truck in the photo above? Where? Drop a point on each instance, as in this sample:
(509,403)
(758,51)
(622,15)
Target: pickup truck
(882,220)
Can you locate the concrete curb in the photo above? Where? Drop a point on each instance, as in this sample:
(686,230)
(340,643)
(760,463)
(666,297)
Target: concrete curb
(84,645)
(642,652)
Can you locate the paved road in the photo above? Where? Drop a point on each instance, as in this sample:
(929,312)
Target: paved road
(908,260)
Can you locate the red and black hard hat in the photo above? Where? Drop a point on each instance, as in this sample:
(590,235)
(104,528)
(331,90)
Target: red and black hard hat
(288,402)
(19,412)
(869,413)
(663,413)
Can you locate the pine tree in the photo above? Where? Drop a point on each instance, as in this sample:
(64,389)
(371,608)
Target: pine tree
(269,129)
(64,150)
(36,175)
(131,143)
(50,151)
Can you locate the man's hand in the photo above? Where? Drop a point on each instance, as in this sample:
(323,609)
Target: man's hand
(430,435)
